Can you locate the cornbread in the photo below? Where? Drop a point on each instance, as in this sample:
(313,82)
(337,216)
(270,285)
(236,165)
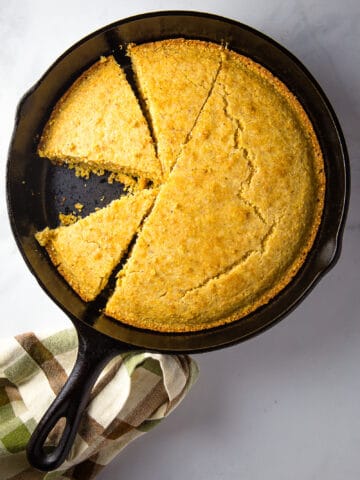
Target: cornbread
(237,215)
(98,125)
(86,252)
(67,218)
(175,78)
(241,180)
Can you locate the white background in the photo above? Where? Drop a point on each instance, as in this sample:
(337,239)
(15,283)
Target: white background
(284,405)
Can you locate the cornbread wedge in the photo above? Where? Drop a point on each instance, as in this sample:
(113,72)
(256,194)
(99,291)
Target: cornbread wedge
(238,214)
(86,252)
(175,78)
(98,125)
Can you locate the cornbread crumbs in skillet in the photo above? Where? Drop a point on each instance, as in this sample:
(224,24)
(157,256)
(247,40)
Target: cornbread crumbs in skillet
(238,214)
(98,125)
(86,252)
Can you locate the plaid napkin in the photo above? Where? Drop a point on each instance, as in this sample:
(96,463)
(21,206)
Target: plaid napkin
(133,394)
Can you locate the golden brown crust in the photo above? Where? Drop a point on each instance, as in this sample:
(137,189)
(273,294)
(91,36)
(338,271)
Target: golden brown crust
(178,277)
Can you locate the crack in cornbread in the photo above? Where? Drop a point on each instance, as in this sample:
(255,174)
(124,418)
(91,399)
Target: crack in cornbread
(237,215)
(86,252)
(247,183)
(238,129)
(188,135)
(255,208)
(98,125)
(175,97)
(233,266)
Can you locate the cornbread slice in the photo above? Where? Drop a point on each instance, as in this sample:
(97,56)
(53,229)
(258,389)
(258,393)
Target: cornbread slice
(98,125)
(174,78)
(238,214)
(86,252)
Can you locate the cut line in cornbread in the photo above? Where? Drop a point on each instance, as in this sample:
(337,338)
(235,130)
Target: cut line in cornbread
(175,78)
(238,214)
(86,252)
(98,125)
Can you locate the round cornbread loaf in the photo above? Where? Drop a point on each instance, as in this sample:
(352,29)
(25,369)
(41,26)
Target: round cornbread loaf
(241,192)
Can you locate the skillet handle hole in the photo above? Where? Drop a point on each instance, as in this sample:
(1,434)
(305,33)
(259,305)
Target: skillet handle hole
(54,436)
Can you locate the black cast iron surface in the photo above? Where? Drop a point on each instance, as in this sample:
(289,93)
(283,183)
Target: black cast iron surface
(37,191)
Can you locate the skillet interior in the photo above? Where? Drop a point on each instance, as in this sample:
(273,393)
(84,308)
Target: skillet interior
(36,189)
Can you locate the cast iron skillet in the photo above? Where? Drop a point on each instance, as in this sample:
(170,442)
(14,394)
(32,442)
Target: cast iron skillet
(37,191)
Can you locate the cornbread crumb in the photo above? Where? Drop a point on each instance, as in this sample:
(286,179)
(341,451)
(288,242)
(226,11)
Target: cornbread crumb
(131,184)
(68,219)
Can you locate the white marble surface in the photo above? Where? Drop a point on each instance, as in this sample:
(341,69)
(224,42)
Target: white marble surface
(286,404)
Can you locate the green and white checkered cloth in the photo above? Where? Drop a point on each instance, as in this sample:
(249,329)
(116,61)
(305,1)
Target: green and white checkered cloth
(133,394)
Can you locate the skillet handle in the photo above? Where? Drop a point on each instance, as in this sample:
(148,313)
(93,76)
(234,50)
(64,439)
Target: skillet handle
(93,354)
